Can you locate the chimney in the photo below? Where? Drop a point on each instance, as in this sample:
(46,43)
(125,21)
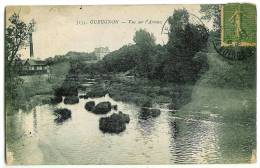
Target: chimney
(31,45)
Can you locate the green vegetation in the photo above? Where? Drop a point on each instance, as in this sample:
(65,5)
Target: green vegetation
(226,89)
(71,100)
(230,74)
(174,62)
(226,96)
(16,37)
(147,73)
(37,89)
(211,12)
(62,114)
(72,56)
(142,91)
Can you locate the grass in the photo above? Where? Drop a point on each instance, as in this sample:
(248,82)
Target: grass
(226,95)
(142,91)
(230,74)
(234,100)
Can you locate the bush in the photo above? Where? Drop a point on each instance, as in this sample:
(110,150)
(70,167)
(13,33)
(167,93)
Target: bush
(62,114)
(102,108)
(66,91)
(96,91)
(115,123)
(83,96)
(71,100)
(56,100)
(90,105)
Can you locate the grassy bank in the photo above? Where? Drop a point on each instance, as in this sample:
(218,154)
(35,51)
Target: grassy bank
(226,96)
(37,89)
(227,90)
(144,92)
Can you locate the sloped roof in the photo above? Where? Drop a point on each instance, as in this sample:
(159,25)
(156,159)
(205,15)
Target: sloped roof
(35,62)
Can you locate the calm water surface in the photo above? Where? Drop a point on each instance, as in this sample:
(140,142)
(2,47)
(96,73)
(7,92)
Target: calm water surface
(34,138)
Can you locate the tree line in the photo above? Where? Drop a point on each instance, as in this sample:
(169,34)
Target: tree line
(180,60)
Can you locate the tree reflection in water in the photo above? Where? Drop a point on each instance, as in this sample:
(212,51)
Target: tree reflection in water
(146,126)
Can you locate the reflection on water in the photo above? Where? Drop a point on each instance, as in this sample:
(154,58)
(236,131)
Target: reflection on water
(34,138)
(146,126)
(196,142)
(34,120)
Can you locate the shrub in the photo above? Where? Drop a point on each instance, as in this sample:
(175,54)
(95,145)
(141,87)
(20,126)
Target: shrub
(62,114)
(115,123)
(71,100)
(90,105)
(102,108)
(56,100)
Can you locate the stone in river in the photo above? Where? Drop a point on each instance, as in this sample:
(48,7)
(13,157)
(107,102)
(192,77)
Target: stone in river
(56,100)
(62,114)
(115,123)
(90,105)
(102,108)
(71,100)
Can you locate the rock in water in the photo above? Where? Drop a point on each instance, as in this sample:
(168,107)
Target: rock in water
(115,123)
(114,107)
(56,100)
(83,97)
(102,108)
(125,117)
(71,100)
(62,114)
(90,105)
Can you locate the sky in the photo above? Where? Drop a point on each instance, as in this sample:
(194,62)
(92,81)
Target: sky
(60,29)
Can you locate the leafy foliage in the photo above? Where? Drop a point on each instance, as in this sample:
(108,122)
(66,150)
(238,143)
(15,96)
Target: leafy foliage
(173,62)
(121,60)
(72,56)
(211,12)
(185,40)
(16,37)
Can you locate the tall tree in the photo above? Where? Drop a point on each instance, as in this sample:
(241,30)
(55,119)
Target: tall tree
(185,40)
(211,12)
(145,42)
(16,37)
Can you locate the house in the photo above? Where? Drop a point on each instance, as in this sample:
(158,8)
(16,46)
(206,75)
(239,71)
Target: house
(101,52)
(32,66)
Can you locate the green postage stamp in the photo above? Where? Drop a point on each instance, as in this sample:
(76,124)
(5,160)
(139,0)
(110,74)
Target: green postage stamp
(238,22)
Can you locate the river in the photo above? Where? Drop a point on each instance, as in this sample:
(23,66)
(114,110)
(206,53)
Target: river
(33,137)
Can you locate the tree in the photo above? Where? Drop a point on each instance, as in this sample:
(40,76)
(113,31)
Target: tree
(144,39)
(211,12)
(16,37)
(121,60)
(145,42)
(185,40)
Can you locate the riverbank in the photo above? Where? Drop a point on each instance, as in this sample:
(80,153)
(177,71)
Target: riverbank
(234,100)
(211,124)
(143,92)
(37,89)
(232,104)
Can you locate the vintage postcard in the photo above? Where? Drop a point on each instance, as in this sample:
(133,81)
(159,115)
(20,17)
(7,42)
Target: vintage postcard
(130,84)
